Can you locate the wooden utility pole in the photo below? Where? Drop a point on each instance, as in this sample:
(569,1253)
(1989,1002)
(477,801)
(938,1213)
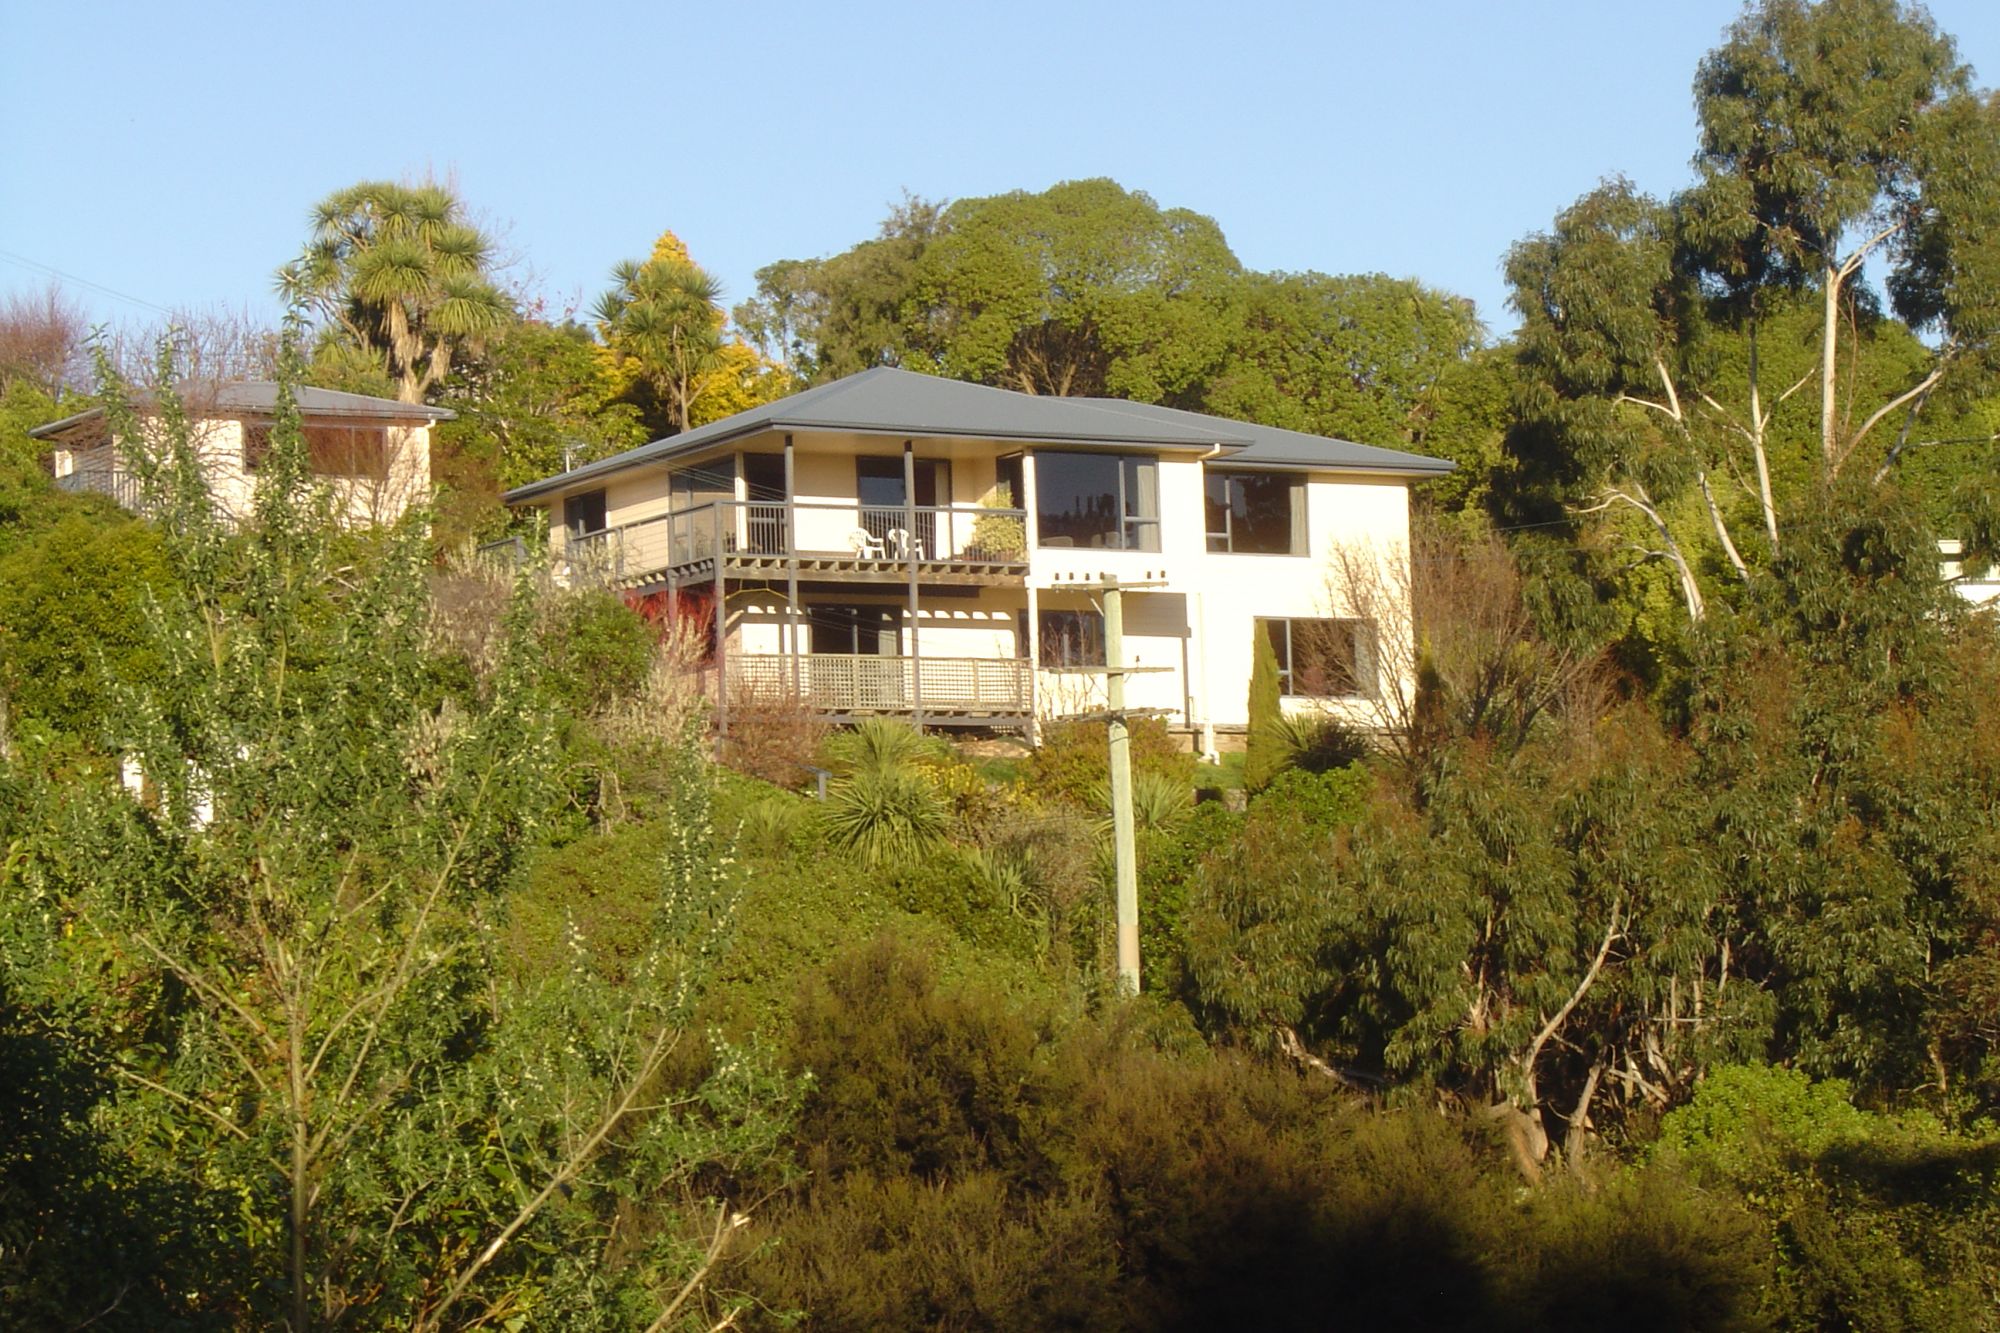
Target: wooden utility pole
(1124,854)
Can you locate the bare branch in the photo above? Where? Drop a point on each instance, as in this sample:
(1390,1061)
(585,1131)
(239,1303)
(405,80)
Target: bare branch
(1295,1050)
(181,1098)
(650,1065)
(727,1221)
(1721,528)
(1728,417)
(1801,383)
(1549,1028)
(1855,260)
(1915,394)
(1690,588)
(1667,383)
(1661,408)
(202,986)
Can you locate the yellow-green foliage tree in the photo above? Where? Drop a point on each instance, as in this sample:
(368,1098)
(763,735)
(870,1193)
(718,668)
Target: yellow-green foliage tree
(666,339)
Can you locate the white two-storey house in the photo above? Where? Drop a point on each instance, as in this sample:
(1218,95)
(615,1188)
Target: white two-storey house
(897,543)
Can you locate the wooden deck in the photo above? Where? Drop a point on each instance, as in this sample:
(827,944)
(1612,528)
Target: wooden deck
(829,565)
(754,541)
(846,686)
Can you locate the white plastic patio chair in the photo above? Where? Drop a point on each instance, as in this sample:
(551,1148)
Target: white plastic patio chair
(865,546)
(900,545)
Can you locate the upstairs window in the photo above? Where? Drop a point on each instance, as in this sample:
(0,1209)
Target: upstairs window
(702,484)
(1098,501)
(1324,659)
(1256,513)
(351,452)
(584,513)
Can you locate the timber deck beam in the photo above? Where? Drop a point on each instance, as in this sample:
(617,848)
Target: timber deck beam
(856,569)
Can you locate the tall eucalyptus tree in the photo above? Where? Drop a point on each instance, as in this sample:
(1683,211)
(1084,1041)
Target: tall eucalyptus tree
(1833,136)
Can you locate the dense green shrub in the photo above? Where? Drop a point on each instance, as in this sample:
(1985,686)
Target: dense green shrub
(982,904)
(1168,861)
(981,1161)
(901,1252)
(1328,799)
(1876,1221)
(597,649)
(598,893)
(80,1223)
(1642,1249)
(804,903)
(72,612)
(912,1078)
(1074,758)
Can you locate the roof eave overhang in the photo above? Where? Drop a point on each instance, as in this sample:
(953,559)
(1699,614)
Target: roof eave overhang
(551,486)
(1444,467)
(52,428)
(414,412)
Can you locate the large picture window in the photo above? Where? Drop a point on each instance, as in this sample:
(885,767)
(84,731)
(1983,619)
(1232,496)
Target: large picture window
(1071,639)
(1324,659)
(1101,501)
(360,452)
(1256,513)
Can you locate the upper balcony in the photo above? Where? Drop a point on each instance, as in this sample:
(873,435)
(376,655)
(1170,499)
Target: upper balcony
(103,477)
(852,542)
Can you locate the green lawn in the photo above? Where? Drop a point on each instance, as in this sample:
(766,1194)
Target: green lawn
(1228,775)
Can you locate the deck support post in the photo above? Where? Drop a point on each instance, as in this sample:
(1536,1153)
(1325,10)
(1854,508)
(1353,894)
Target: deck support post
(721,639)
(792,564)
(910,553)
(1031,531)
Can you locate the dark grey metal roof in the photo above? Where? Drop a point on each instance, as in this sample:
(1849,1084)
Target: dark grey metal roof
(1273,447)
(890,401)
(249,396)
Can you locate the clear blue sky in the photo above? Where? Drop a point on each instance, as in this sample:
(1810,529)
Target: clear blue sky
(169,152)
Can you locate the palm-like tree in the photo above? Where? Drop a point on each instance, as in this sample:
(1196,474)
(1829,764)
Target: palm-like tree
(402,275)
(666,313)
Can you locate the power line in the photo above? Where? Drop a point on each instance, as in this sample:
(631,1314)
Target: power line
(98,287)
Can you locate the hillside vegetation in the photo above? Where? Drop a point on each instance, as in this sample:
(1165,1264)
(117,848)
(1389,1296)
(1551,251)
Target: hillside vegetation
(388,942)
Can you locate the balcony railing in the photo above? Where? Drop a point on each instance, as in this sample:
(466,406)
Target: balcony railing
(860,538)
(850,684)
(117,483)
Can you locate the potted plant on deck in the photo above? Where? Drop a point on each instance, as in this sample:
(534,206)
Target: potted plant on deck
(998,536)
